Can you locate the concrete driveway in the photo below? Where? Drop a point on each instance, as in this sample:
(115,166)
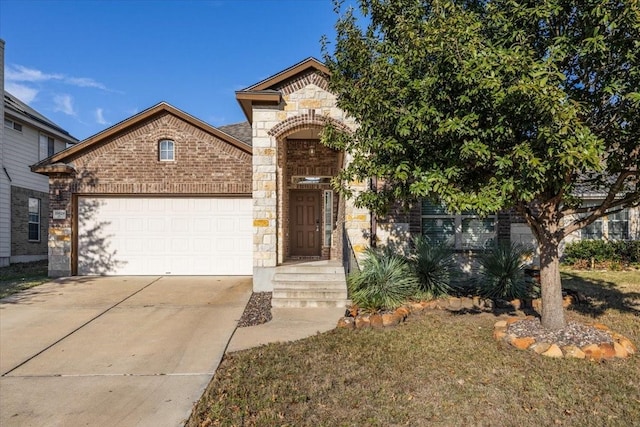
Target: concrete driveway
(114,351)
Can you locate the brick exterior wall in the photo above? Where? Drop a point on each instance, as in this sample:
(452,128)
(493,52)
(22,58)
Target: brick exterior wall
(128,164)
(20,244)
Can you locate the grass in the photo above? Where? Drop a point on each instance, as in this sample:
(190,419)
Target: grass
(439,369)
(18,277)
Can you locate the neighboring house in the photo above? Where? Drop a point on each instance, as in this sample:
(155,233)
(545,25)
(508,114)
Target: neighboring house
(26,138)
(165,193)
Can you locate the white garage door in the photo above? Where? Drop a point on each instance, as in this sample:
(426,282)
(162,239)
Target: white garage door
(159,236)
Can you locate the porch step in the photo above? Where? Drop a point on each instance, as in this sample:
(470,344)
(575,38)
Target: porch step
(311,284)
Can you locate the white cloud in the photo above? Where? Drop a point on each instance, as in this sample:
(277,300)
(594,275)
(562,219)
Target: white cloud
(64,103)
(18,73)
(85,82)
(24,93)
(100,117)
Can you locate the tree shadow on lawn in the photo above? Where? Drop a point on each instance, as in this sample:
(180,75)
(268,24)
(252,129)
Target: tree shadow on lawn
(591,297)
(601,295)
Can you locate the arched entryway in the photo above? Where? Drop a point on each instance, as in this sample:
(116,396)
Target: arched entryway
(308,208)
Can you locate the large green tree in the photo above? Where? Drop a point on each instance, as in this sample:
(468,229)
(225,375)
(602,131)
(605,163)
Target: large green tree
(492,105)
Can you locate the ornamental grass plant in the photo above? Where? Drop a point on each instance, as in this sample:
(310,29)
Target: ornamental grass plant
(502,272)
(385,282)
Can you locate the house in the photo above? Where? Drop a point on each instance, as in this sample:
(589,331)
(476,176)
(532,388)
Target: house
(164,193)
(27,137)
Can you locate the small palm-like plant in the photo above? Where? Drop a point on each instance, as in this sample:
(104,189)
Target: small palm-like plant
(434,266)
(385,282)
(502,271)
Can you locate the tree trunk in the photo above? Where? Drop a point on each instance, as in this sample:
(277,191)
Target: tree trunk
(551,286)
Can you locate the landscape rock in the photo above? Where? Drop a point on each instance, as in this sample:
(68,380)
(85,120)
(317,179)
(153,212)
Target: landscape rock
(455,304)
(540,347)
(574,352)
(391,319)
(362,321)
(592,352)
(621,352)
(416,307)
(403,312)
(346,322)
(467,303)
(607,351)
(628,345)
(553,351)
(376,321)
(500,324)
(522,343)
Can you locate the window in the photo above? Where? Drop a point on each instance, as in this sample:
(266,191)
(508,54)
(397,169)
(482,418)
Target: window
(166,150)
(34,220)
(614,226)
(8,123)
(47,146)
(328,216)
(464,231)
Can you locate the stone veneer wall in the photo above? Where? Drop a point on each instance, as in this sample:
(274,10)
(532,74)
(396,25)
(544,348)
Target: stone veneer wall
(306,105)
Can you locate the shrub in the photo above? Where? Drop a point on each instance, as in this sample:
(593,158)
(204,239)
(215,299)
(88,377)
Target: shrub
(601,251)
(502,272)
(386,281)
(434,266)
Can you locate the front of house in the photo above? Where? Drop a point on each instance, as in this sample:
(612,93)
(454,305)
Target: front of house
(165,193)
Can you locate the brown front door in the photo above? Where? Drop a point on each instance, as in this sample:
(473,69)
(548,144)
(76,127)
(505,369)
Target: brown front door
(304,223)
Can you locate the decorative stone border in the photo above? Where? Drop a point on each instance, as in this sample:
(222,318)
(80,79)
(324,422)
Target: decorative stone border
(620,346)
(357,320)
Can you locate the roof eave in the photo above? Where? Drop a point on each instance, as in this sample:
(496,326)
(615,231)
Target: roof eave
(54,168)
(122,126)
(247,99)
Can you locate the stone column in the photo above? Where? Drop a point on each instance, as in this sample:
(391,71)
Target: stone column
(264,199)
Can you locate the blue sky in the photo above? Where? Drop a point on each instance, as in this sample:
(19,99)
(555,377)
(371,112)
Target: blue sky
(88,64)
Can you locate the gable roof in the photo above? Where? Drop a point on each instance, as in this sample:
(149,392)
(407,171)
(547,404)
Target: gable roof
(21,111)
(125,125)
(265,92)
(241,131)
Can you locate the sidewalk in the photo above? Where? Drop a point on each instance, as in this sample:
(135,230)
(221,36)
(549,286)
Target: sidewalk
(287,324)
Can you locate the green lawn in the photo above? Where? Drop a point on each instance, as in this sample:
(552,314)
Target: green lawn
(437,369)
(20,276)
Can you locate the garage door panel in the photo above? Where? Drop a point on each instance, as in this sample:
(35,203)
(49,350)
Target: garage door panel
(150,236)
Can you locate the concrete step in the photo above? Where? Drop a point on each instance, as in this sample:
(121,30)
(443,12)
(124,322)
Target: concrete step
(310,294)
(312,284)
(308,277)
(301,303)
(309,285)
(305,268)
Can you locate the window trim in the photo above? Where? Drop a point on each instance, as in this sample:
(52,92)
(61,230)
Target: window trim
(37,221)
(458,232)
(51,146)
(12,124)
(604,224)
(170,149)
